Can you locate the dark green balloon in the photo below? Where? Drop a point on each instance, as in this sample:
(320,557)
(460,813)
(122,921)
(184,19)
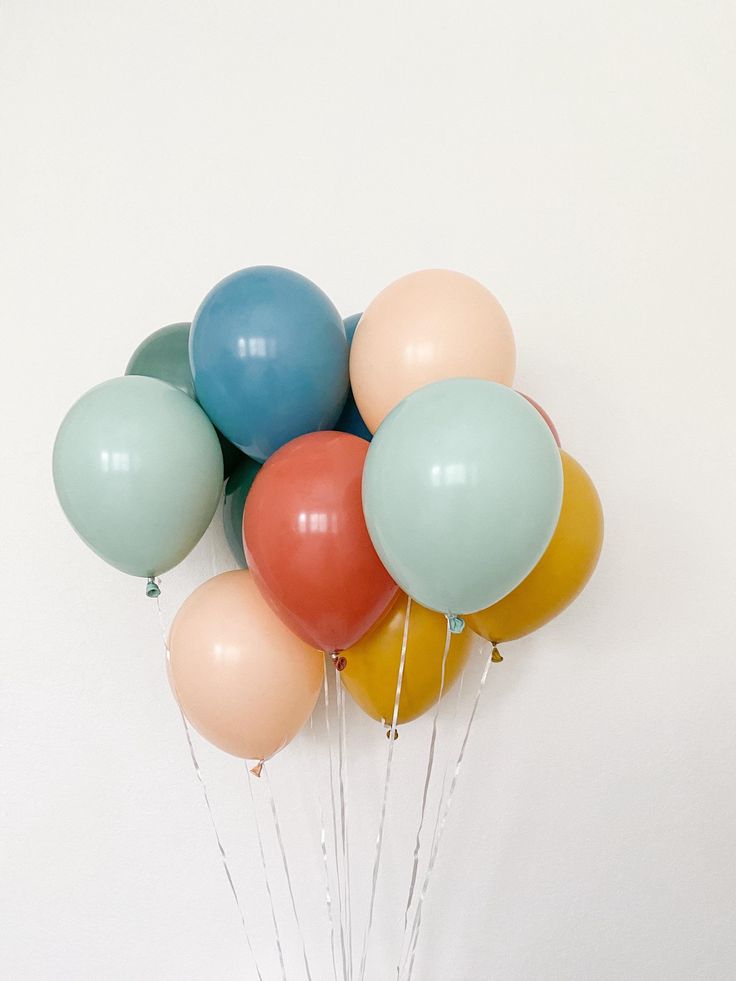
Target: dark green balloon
(165,355)
(236,491)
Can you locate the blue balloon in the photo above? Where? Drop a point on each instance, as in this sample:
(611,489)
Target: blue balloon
(269,358)
(351,421)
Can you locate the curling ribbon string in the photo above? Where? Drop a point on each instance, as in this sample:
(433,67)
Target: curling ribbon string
(343,788)
(446,770)
(265,873)
(443,821)
(328,729)
(386,784)
(277,827)
(425,792)
(323,845)
(208,805)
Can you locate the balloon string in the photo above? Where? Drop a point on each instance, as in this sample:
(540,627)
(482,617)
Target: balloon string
(443,821)
(386,783)
(425,793)
(220,847)
(343,787)
(265,874)
(323,846)
(328,730)
(208,805)
(277,826)
(446,770)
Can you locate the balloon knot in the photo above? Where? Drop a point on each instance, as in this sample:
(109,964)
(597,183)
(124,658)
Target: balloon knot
(392,733)
(153,590)
(339,660)
(457,624)
(496,656)
(258,768)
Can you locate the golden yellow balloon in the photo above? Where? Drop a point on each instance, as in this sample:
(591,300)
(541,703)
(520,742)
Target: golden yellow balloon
(560,574)
(373,663)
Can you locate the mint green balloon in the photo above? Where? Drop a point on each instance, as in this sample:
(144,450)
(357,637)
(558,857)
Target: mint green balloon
(462,490)
(138,471)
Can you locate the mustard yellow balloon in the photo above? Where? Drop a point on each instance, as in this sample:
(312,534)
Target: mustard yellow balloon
(373,663)
(561,573)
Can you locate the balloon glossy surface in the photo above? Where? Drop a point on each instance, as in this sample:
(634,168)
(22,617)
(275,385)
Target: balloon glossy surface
(243,680)
(424,327)
(269,358)
(560,575)
(461,492)
(138,472)
(307,544)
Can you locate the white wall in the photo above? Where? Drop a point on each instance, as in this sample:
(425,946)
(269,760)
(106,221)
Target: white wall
(579,159)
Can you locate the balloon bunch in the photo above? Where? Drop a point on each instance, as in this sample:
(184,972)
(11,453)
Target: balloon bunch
(366,461)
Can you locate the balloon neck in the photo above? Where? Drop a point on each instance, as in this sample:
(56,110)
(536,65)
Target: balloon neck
(257,770)
(339,660)
(392,733)
(153,590)
(496,655)
(455,623)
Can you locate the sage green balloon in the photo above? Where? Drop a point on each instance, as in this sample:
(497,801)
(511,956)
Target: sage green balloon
(165,355)
(138,471)
(462,490)
(236,491)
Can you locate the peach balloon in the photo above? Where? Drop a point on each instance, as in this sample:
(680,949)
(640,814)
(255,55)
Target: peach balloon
(425,327)
(243,680)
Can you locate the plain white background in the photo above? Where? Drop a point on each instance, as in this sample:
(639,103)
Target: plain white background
(579,159)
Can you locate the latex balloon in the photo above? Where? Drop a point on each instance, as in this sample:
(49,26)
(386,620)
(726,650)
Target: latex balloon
(543,414)
(561,573)
(373,663)
(165,355)
(243,680)
(307,545)
(269,358)
(461,493)
(236,491)
(138,472)
(422,328)
(350,420)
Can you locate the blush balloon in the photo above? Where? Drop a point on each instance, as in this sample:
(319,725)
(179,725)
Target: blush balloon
(426,327)
(244,681)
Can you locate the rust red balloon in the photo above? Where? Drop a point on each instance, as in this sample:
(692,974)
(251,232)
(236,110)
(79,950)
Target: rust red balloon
(543,414)
(307,544)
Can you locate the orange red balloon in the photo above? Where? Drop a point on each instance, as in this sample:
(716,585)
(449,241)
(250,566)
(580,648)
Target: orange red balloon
(307,544)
